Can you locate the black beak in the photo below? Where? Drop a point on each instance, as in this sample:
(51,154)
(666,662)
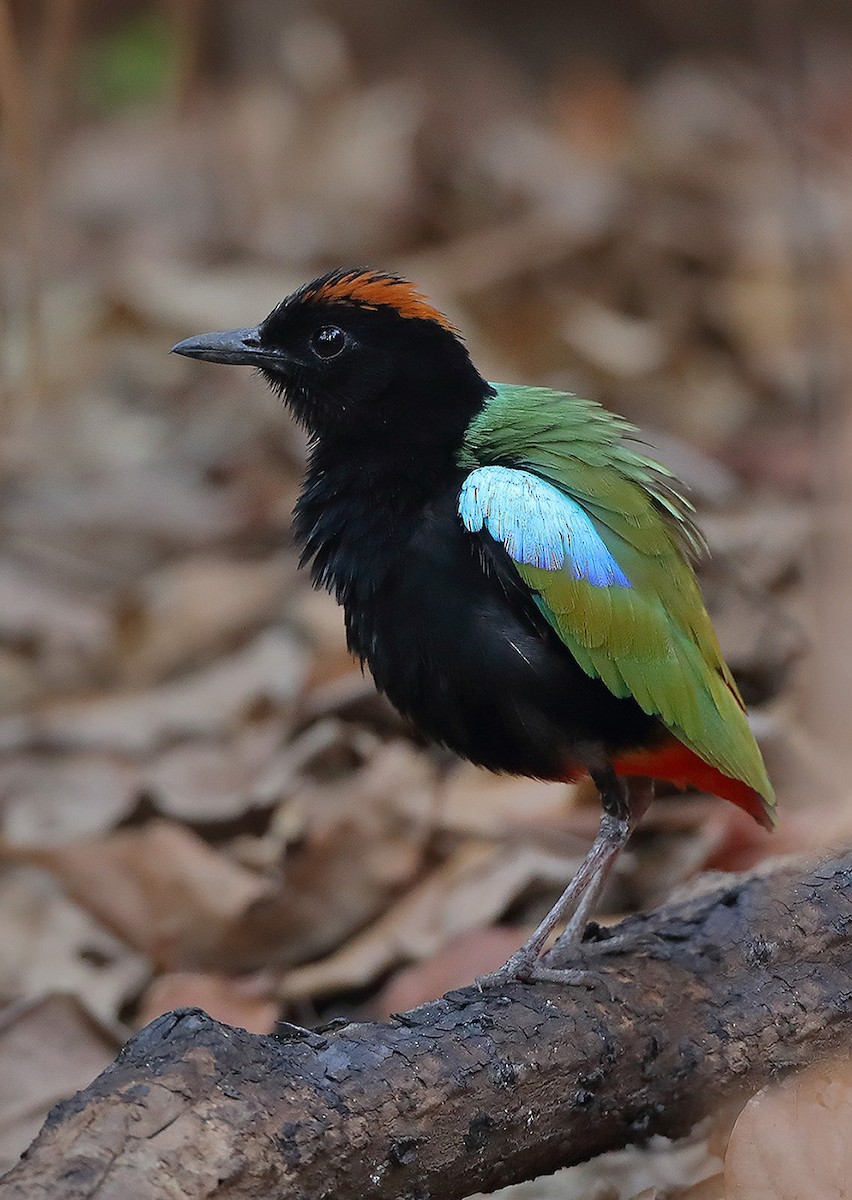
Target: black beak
(238,346)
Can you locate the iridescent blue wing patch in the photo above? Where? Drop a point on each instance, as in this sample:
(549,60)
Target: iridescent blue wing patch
(538,525)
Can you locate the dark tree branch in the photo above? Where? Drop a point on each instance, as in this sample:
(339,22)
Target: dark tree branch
(704,1000)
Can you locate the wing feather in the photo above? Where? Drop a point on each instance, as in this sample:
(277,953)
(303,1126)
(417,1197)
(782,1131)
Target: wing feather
(638,622)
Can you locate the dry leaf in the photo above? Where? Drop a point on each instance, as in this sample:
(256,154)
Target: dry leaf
(32,605)
(160,888)
(49,1048)
(463,958)
(615,342)
(360,841)
(194,608)
(474,801)
(243,1001)
(48,943)
(791,1141)
(473,887)
(172,294)
(208,703)
(48,800)
(205,782)
(152,502)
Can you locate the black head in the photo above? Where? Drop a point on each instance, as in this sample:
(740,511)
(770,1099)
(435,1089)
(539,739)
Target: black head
(362,355)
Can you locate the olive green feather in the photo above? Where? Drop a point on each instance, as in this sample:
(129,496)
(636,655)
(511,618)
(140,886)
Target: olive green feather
(654,640)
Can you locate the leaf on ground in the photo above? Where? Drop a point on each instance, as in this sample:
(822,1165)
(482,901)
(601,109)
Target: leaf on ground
(160,888)
(48,943)
(761,639)
(208,703)
(154,502)
(352,696)
(765,540)
(468,891)
(54,799)
(458,962)
(357,841)
(613,341)
(204,782)
(476,802)
(792,1139)
(734,842)
(35,606)
(169,293)
(54,633)
(237,1000)
(49,1048)
(194,608)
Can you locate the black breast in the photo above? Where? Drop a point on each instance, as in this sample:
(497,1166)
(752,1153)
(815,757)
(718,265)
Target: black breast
(455,640)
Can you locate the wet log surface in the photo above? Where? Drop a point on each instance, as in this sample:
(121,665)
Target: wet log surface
(702,1000)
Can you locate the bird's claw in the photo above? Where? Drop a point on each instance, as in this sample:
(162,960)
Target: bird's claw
(517,970)
(521,969)
(570,976)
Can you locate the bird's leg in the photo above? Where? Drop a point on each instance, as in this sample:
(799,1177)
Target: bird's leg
(627,801)
(621,811)
(632,799)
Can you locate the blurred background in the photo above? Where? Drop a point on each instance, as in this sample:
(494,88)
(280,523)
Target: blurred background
(202,801)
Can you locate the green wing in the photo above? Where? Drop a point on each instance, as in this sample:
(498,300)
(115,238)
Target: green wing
(653,640)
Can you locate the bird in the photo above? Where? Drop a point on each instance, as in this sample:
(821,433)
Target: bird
(517,574)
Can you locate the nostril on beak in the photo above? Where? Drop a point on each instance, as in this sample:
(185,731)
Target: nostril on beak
(252,342)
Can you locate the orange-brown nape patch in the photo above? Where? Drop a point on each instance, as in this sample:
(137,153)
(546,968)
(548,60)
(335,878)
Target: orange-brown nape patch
(374,289)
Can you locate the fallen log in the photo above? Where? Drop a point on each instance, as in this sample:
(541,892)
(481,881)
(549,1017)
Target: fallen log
(701,1001)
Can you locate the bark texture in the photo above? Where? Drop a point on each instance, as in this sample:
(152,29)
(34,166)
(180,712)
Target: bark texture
(699,1001)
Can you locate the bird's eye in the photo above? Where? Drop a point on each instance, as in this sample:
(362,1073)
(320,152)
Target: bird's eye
(328,341)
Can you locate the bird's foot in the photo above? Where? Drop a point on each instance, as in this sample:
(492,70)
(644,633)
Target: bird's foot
(531,964)
(527,967)
(568,976)
(520,970)
(517,970)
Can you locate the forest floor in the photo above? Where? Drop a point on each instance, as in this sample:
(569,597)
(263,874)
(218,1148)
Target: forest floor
(202,799)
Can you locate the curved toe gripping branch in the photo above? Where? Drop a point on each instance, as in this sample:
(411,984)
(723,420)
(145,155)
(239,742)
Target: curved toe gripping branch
(624,804)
